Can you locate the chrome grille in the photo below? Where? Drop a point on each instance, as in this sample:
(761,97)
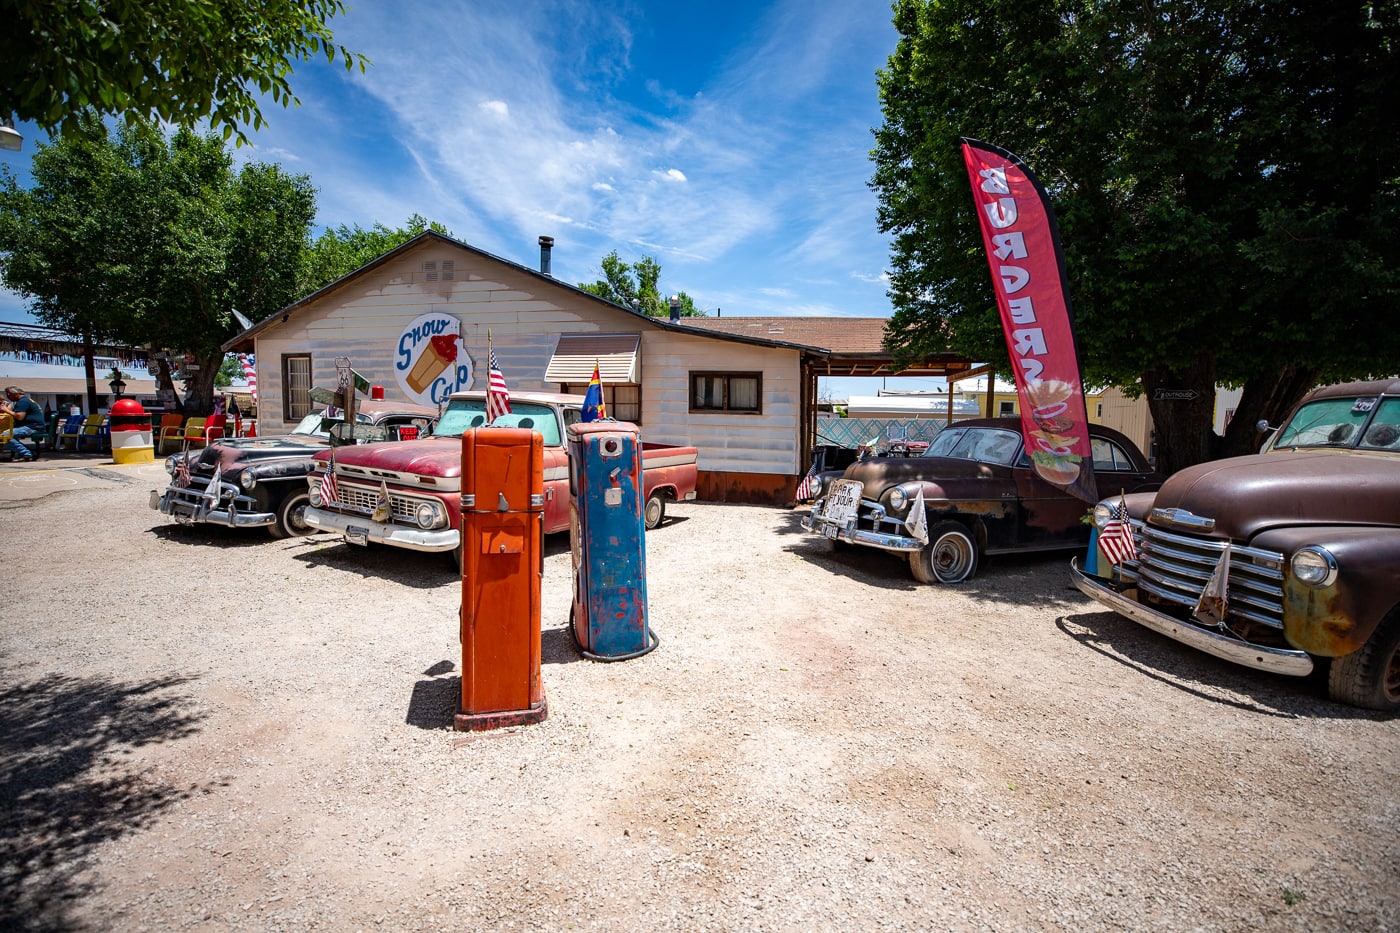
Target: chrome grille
(1175,568)
(353,498)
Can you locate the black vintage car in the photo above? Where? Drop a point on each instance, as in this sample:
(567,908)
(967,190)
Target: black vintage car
(262,480)
(980,497)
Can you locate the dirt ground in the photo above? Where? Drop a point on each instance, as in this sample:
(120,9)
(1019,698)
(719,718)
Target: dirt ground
(209,729)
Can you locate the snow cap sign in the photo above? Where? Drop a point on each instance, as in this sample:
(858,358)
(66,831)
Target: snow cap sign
(1028,276)
(430,362)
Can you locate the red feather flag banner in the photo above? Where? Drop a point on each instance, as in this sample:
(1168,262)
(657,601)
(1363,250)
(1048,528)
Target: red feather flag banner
(1028,274)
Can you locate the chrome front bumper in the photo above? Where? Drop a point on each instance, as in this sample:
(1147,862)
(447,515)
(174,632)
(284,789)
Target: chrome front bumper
(1276,660)
(359,529)
(190,506)
(885,541)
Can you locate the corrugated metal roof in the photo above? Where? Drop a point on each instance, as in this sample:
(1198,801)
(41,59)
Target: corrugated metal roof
(615,355)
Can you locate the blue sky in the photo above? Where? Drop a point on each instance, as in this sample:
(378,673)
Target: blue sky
(729,141)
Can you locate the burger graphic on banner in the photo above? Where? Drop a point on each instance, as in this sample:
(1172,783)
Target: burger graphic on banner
(430,361)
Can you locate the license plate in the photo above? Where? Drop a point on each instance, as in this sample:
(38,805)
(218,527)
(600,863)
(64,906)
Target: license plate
(831,531)
(357,535)
(842,501)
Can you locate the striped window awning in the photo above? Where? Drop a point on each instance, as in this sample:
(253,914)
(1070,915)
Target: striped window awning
(614,354)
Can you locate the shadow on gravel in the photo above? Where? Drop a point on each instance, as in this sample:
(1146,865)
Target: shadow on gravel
(218,536)
(1205,676)
(434,702)
(63,792)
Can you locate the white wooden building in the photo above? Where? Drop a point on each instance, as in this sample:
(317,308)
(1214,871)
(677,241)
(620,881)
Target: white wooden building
(745,399)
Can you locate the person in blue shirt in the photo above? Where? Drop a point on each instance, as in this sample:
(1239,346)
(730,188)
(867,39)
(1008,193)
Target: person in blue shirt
(29,420)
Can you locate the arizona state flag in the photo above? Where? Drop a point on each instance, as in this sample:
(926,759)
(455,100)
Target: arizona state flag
(1028,275)
(594,407)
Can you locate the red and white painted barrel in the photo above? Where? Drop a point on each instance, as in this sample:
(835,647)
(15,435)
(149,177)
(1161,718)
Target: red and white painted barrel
(131,432)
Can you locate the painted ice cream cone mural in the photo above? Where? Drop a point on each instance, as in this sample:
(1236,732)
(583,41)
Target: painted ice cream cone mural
(440,353)
(430,361)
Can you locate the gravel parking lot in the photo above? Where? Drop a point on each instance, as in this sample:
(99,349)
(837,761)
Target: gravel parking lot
(211,729)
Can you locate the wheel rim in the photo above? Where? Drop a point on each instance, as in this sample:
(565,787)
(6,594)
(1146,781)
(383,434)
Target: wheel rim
(296,518)
(653,512)
(951,558)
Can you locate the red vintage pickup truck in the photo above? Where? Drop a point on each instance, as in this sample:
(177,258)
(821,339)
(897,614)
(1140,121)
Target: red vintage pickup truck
(424,477)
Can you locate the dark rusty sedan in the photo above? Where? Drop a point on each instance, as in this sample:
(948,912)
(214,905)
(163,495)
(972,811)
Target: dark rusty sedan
(260,482)
(979,496)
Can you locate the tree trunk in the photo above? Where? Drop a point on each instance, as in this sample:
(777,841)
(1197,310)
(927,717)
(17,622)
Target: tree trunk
(1182,403)
(165,381)
(199,385)
(1268,398)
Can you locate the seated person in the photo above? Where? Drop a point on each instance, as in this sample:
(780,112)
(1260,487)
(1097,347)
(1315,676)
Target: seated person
(29,420)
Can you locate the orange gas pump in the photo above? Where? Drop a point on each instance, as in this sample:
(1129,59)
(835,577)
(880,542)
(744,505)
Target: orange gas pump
(502,569)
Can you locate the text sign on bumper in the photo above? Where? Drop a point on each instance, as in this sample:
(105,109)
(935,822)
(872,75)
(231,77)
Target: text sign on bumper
(843,501)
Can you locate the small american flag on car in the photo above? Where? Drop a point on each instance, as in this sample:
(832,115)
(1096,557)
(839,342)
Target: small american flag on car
(1116,538)
(497,394)
(329,492)
(182,470)
(804,488)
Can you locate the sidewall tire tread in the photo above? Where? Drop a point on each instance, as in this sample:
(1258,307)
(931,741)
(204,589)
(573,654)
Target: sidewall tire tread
(1358,679)
(921,564)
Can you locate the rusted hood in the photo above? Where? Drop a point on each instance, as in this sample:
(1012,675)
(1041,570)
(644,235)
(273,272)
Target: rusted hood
(880,473)
(1247,495)
(246,450)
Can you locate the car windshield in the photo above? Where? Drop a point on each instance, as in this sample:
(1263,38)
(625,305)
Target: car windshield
(465,413)
(1368,422)
(318,425)
(985,445)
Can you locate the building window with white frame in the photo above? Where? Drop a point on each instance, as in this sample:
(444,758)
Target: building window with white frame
(296,386)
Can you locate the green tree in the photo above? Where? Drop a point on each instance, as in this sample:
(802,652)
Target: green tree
(145,239)
(337,253)
(634,285)
(1224,175)
(176,61)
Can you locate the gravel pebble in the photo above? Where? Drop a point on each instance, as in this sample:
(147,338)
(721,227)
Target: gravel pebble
(210,729)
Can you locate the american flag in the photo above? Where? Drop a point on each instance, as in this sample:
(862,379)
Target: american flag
(250,373)
(497,395)
(182,470)
(329,492)
(1116,538)
(804,488)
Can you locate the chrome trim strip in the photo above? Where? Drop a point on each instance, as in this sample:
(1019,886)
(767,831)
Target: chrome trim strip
(1276,660)
(415,539)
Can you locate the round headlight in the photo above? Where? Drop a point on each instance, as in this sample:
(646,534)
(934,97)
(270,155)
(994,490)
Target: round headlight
(426,515)
(170,464)
(247,480)
(898,498)
(314,495)
(1102,513)
(1313,566)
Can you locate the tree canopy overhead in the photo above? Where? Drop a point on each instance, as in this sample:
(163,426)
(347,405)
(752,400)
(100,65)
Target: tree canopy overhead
(155,241)
(1225,175)
(176,61)
(337,253)
(634,285)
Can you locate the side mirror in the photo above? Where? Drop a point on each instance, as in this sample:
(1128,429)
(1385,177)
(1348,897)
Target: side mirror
(1263,426)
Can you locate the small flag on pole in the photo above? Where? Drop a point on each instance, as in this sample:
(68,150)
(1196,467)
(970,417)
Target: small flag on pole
(804,488)
(1215,598)
(594,407)
(917,521)
(383,508)
(214,490)
(329,491)
(1116,538)
(497,393)
(182,470)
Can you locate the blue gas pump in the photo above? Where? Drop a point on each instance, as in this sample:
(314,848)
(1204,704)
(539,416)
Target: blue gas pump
(608,542)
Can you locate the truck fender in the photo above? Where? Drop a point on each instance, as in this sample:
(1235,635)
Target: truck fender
(1337,619)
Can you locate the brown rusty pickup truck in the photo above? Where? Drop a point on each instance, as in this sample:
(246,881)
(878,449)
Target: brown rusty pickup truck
(1301,541)
(424,477)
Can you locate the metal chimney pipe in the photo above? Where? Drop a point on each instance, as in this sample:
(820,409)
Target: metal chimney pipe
(546,244)
(675,308)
